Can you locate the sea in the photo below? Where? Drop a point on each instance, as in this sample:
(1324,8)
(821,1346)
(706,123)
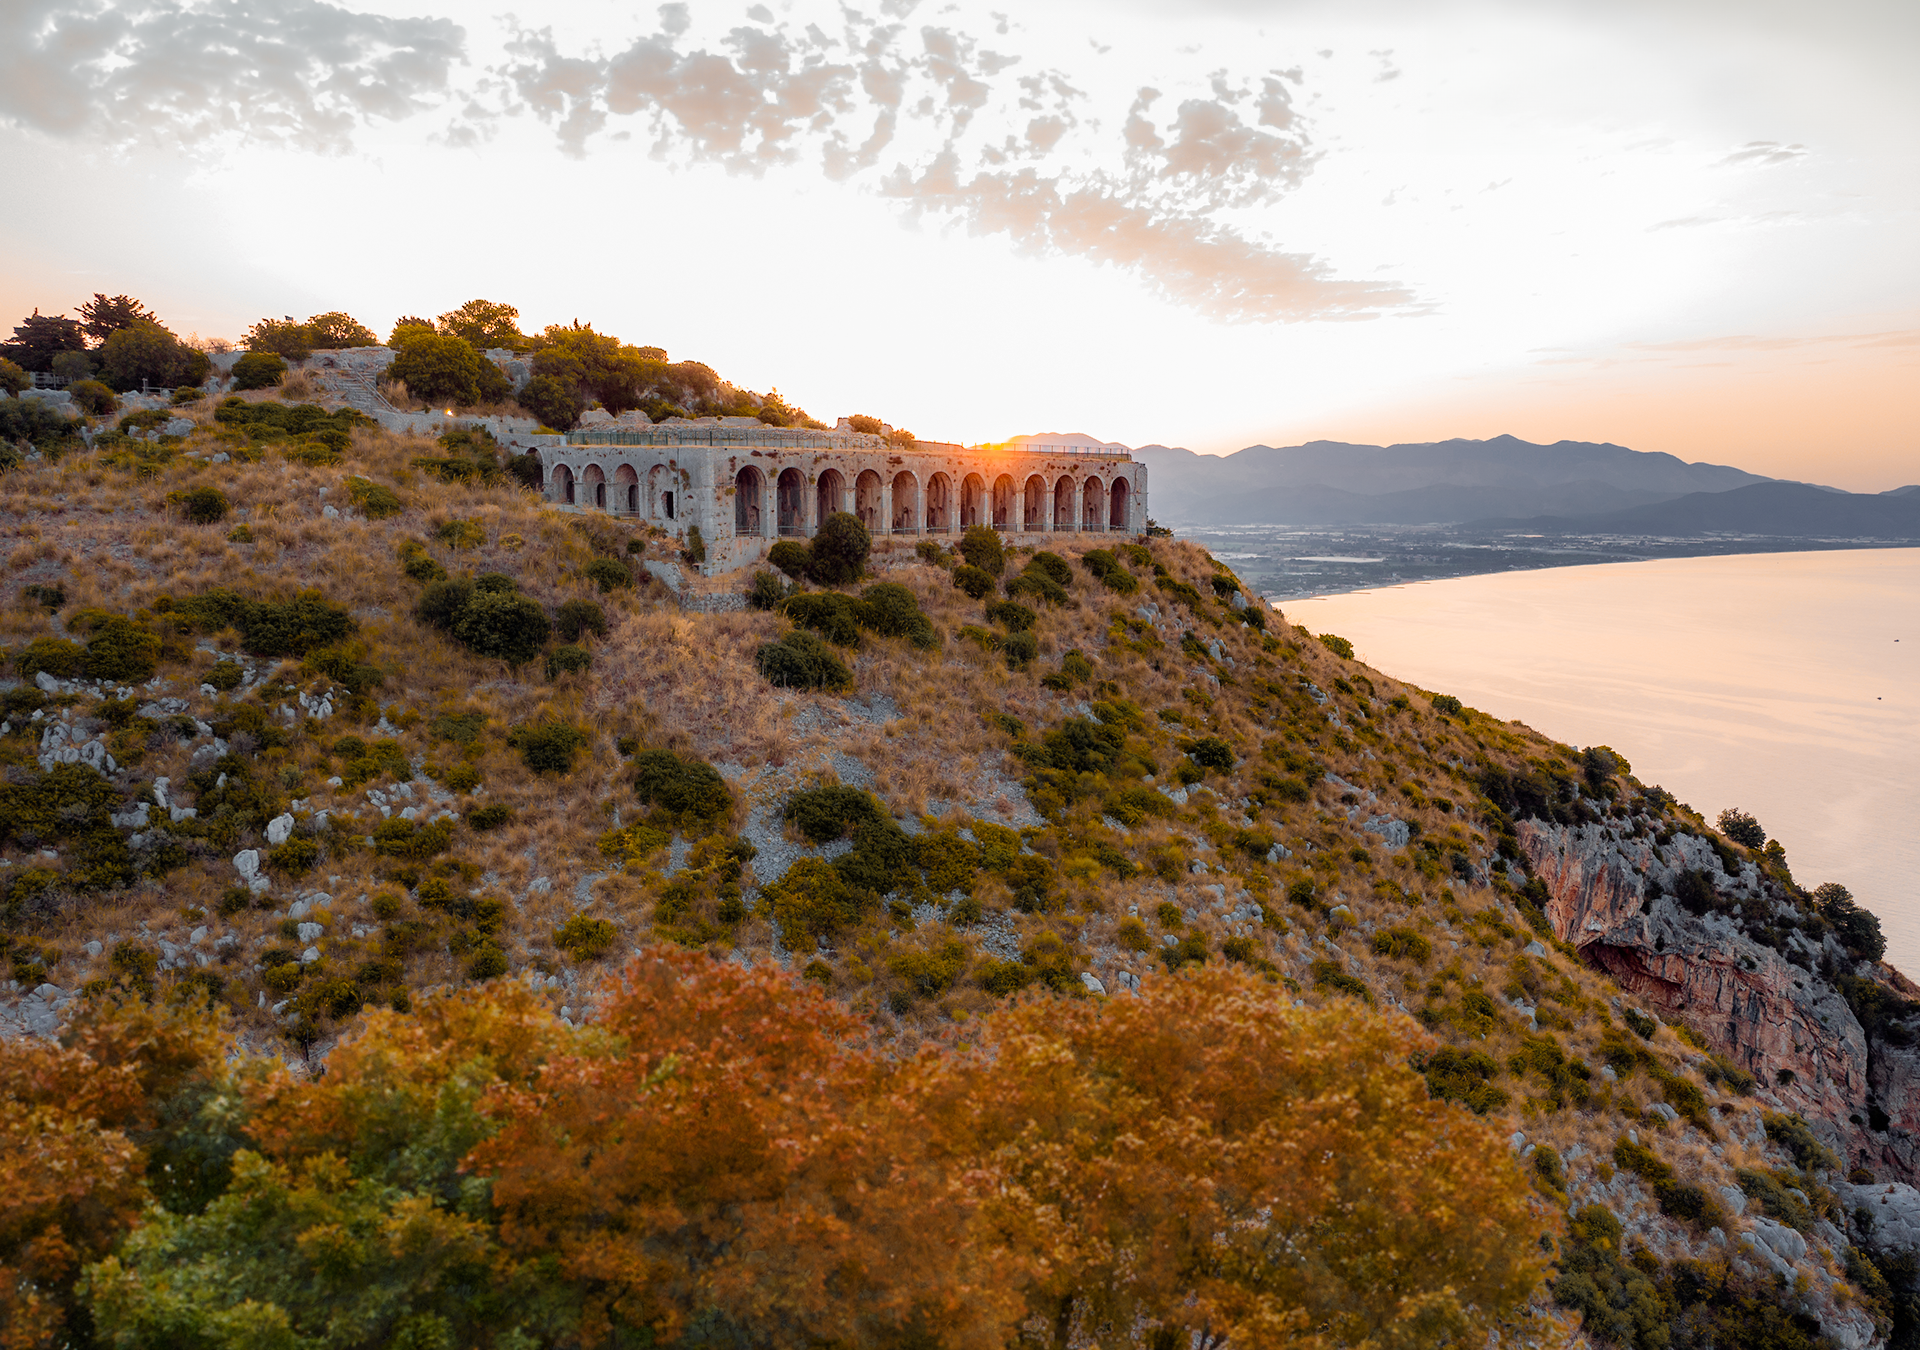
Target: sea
(1786,684)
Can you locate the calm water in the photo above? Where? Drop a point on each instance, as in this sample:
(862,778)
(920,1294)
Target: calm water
(1786,684)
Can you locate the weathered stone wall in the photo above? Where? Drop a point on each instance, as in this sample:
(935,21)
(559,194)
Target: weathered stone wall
(745,496)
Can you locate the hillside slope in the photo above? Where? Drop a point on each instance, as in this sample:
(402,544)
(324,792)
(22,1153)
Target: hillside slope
(1783,510)
(253,749)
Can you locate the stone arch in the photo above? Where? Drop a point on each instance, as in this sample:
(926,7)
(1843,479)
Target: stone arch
(563,484)
(830,495)
(939,504)
(973,501)
(593,484)
(1036,514)
(866,501)
(749,490)
(1063,504)
(1120,506)
(790,498)
(1004,515)
(1094,512)
(626,490)
(906,503)
(662,501)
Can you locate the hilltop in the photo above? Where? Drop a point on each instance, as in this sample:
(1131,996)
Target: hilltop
(310,719)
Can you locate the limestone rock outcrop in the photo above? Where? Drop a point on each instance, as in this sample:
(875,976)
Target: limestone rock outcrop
(1611,895)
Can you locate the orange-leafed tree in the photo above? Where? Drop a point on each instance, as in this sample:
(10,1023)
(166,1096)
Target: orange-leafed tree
(1206,1160)
(74,1119)
(739,1168)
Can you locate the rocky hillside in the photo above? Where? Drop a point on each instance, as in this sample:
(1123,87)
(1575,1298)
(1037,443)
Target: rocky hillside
(306,717)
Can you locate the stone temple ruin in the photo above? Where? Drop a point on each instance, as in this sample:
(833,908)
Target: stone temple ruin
(747,485)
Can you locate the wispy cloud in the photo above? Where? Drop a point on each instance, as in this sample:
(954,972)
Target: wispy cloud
(1763,154)
(935,120)
(1172,182)
(296,72)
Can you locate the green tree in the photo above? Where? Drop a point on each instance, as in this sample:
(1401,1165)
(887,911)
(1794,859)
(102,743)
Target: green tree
(145,352)
(334,330)
(437,368)
(13,377)
(282,337)
(484,324)
(554,401)
(840,550)
(38,338)
(102,317)
(980,546)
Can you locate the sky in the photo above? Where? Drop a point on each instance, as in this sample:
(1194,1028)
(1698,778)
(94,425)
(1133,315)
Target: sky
(1682,226)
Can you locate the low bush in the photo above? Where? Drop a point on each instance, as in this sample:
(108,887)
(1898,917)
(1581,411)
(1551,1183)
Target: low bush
(814,900)
(609,574)
(258,370)
(375,501)
(824,814)
(973,581)
(791,557)
(683,786)
(93,398)
(201,505)
(981,547)
(489,817)
(501,624)
(1015,618)
(548,747)
(583,938)
(1020,649)
(802,661)
(840,550)
(766,591)
(1110,571)
(568,660)
(577,618)
(1465,1076)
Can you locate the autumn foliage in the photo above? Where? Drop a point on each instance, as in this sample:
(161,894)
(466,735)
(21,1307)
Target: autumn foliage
(727,1156)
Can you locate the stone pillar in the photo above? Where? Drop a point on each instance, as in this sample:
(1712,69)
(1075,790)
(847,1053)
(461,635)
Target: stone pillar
(886,503)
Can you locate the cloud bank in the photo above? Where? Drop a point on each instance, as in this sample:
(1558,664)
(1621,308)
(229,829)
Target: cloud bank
(1171,187)
(295,72)
(948,127)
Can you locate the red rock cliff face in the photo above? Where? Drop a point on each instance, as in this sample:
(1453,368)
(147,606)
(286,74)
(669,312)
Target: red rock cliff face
(1610,896)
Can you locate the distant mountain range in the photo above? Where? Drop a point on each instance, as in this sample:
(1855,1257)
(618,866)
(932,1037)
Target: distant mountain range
(1569,485)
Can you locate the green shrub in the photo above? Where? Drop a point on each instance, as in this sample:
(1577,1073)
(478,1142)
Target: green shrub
(824,814)
(502,625)
(187,394)
(802,661)
(489,817)
(1339,646)
(930,552)
(1643,1026)
(398,837)
(1110,571)
(1020,648)
(418,564)
(891,610)
(814,900)
(13,377)
(819,972)
(981,547)
(202,505)
(584,939)
(296,857)
(973,581)
(436,368)
(1052,566)
(1792,1134)
(840,550)
(568,660)
(791,557)
(835,617)
(576,618)
(1016,618)
(1406,943)
(609,574)
(225,675)
(684,786)
(458,533)
(93,398)
(1444,704)
(51,597)
(118,649)
(58,657)
(766,591)
(1466,1076)
(488,960)
(258,370)
(1328,975)
(1210,752)
(548,747)
(695,552)
(375,501)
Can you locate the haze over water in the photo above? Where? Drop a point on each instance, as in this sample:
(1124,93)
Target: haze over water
(1786,684)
